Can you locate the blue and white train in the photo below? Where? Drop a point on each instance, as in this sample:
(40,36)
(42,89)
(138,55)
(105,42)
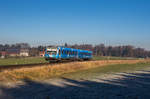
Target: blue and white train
(62,53)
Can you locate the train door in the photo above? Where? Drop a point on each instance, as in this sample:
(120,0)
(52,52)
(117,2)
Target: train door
(59,53)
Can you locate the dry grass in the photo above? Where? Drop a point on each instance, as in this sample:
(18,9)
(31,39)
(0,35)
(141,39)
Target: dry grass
(45,72)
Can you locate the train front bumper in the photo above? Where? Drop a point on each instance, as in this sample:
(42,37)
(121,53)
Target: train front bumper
(50,57)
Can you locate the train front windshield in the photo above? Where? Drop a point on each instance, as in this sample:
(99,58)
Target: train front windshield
(51,52)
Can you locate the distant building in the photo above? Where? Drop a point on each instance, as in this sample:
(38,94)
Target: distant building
(13,52)
(24,52)
(41,53)
(2,54)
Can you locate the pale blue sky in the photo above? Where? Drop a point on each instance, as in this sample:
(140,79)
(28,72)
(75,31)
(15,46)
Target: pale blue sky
(112,22)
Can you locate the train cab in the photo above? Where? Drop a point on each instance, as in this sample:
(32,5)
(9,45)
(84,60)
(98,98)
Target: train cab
(51,54)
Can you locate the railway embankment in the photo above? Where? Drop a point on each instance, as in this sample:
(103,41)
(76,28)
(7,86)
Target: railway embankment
(66,69)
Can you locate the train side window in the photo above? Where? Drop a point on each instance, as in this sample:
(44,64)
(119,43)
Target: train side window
(64,51)
(73,52)
(67,52)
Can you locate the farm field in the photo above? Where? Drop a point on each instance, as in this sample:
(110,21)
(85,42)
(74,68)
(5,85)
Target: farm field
(120,79)
(109,69)
(36,60)
(19,61)
(60,70)
(112,58)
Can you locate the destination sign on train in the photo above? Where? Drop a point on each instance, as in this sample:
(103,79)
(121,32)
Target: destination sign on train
(49,49)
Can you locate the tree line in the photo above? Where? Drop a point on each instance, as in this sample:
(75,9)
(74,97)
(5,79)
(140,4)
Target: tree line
(118,51)
(98,50)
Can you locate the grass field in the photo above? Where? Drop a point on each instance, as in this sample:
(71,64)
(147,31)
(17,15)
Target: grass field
(86,74)
(18,61)
(112,58)
(36,60)
(74,69)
